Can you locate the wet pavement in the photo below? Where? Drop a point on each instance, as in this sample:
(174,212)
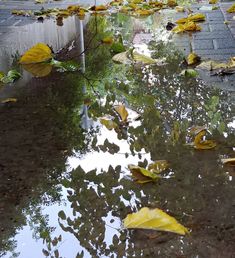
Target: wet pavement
(65,187)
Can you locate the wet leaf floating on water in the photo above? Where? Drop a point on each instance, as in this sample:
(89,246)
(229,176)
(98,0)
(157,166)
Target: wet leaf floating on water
(154,219)
(108,123)
(142,175)
(230,161)
(121,58)
(219,68)
(189,73)
(193,59)
(201,144)
(38,70)
(8,100)
(142,58)
(121,110)
(197,129)
(129,56)
(158,166)
(231,9)
(37,54)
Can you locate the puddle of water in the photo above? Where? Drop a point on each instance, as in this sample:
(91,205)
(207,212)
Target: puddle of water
(65,190)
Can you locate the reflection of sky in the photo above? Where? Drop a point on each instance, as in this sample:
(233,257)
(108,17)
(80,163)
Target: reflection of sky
(69,247)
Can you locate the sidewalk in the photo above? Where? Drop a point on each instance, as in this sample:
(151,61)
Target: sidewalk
(216,41)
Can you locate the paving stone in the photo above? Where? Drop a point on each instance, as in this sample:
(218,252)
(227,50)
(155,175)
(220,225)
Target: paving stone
(222,43)
(224,57)
(218,26)
(203,44)
(213,35)
(205,27)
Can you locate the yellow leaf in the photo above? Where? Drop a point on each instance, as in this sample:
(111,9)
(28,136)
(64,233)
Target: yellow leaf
(8,100)
(201,144)
(197,17)
(182,20)
(38,70)
(156,4)
(213,1)
(98,8)
(188,26)
(121,110)
(158,166)
(107,40)
(142,12)
(205,145)
(231,9)
(213,65)
(171,3)
(39,1)
(142,58)
(179,8)
(108,123)
(197,129)
(37,54)
(81,14)
(73,8)
(230,161)
(193,59)
(142,175)
(155,219)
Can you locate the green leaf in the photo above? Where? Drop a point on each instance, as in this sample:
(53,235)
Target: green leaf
(155,219)
(189,73)
(11,76)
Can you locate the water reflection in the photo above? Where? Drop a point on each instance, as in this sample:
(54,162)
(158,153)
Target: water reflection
(74,185)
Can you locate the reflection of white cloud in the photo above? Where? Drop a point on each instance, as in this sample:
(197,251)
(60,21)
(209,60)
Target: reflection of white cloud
(232,124)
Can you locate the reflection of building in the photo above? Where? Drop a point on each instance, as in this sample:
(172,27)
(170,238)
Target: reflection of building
(21,38)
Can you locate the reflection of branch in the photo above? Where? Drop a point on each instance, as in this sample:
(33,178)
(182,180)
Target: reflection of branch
(91,85)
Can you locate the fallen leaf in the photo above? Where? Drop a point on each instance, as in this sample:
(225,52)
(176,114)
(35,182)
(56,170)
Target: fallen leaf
(8,100)
(172,3)
(197,17)
(154,219)
(158,166)
(142,58)
(37,54)
(205,145)
(179,9)
(108,123)
(219,68)
(213,1)
(193,59)
(121,58)
(39,1)
(188,26)
(197,129)
(121,110)
(230,161)
(231,9)
(142,12)
(98,8)
(142,175)
(189,73)
(201,144)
